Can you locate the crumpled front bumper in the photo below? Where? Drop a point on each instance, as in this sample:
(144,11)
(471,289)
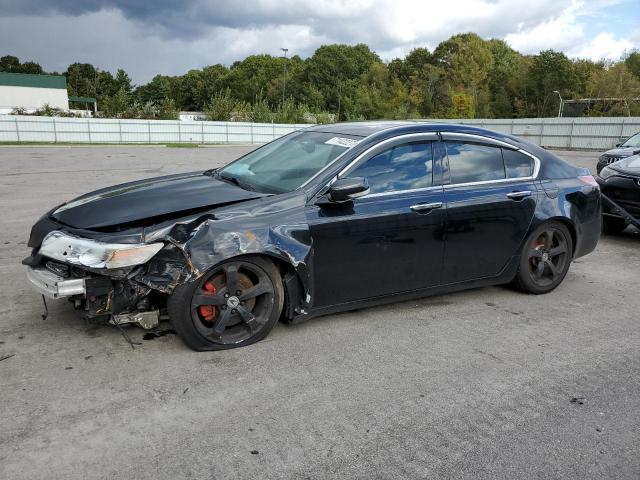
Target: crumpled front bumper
(53,286)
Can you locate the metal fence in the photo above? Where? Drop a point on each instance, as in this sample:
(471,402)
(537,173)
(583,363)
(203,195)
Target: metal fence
(591,133)
(578,133)
(23,128)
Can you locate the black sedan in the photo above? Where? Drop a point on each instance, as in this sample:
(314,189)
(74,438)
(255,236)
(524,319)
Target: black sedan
(326,219)
(620,182)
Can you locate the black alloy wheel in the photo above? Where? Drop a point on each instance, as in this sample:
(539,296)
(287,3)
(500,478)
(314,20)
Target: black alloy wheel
(234,304)
(545,259)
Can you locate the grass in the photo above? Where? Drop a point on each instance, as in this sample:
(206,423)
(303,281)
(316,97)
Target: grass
(182,145)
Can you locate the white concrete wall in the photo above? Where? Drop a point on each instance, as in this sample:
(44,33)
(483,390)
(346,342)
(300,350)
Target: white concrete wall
(31,98)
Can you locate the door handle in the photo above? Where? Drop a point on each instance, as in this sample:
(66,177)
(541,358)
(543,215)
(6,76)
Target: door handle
(519,195)
(426,207)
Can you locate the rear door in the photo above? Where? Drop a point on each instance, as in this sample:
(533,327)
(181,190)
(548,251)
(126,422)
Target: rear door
(491,198)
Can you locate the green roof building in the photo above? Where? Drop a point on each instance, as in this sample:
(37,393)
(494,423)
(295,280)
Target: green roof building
(31,92)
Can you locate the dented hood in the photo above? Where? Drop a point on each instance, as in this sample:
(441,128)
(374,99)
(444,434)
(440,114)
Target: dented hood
(150,199)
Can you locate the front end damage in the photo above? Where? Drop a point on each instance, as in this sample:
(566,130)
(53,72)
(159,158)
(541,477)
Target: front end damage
(137,294)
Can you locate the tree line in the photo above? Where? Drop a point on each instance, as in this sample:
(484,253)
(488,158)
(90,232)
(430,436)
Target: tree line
(463,77)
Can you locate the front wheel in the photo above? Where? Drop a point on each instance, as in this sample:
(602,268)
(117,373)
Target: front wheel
(545,259)
(234,304)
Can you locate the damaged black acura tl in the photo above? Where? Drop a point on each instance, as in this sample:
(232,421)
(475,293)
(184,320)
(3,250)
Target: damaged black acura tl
(325,219)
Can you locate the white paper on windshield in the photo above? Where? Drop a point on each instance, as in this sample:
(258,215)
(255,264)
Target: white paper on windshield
(342,142)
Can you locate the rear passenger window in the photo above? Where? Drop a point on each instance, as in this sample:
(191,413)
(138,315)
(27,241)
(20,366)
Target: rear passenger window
(469,162)
(517,164)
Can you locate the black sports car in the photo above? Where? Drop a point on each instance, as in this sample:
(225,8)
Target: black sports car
(325,219)
(631,146)
(620,182)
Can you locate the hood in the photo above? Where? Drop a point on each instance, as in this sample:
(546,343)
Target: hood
(622,151)
(630,165)
(151,199)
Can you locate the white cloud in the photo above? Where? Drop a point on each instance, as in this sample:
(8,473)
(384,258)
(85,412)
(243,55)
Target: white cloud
(162,39)
(561,32)
(603,46)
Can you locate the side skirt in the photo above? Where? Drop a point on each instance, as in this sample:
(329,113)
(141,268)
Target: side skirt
(507,274)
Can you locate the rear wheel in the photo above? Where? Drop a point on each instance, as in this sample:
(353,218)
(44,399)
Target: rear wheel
(613,225)
(234,304)
(545,259)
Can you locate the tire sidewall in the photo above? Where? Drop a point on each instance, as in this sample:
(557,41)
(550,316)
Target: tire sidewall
(523,278)
(179,307)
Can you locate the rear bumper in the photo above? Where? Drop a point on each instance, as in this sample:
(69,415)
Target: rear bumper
(53,286)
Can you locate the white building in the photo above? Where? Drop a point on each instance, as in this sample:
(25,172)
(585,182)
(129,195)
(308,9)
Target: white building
(32,92)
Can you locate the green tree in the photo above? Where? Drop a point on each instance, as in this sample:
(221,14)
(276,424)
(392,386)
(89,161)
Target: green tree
(9,63)
(123,81)
(632,61)
(467,59)
(461,106)
(335,69)
(115,106)
(550,71)
(220,107)
(615,82)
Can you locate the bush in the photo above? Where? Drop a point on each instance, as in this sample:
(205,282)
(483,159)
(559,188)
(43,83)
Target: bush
(220,107)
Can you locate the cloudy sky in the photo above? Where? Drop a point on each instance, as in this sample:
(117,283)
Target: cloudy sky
(146,37)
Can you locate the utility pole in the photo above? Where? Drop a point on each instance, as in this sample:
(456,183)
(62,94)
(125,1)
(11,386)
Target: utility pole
(284,78)
(561,103)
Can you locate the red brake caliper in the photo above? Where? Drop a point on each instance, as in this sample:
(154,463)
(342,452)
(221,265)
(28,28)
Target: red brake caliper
(208,312)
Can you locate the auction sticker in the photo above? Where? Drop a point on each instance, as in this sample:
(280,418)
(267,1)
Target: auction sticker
(342,142)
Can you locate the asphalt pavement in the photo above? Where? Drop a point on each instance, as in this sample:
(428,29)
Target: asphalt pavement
(487,383)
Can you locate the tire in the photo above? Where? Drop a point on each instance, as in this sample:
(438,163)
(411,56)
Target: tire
(545,259)
(613,225)
(207,315)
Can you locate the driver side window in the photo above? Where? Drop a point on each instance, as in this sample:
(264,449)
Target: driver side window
(403,167)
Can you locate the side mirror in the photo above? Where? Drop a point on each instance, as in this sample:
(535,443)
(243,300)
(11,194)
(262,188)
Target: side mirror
(618,144)
(345,189)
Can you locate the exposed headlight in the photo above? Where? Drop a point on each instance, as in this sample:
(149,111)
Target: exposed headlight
(606,172)
(91,253)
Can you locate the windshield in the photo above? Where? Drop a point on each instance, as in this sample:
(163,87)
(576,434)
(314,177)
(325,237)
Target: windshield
(633,141)
(288,162)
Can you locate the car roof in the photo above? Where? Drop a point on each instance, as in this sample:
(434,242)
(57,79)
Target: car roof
(360,129)
(368,128)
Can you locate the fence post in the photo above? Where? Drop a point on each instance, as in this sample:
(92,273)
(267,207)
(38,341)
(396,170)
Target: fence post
(120,129)
(149,129)
(179,132)
(541,131)
(15,119)
(573,124)
(202,132)
(273,130)
(513,122)
(89,130)
(621,130)
(251,130)
(227,130)
(55,133)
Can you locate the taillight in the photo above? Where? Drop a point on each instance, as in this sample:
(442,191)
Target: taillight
(589,180)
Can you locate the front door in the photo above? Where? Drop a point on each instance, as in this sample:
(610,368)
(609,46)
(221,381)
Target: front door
(388,241)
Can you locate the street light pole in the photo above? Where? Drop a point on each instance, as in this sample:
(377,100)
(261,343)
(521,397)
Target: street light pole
(284,81)
(561,103)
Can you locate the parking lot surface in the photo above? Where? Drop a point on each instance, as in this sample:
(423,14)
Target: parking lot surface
(487,383)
